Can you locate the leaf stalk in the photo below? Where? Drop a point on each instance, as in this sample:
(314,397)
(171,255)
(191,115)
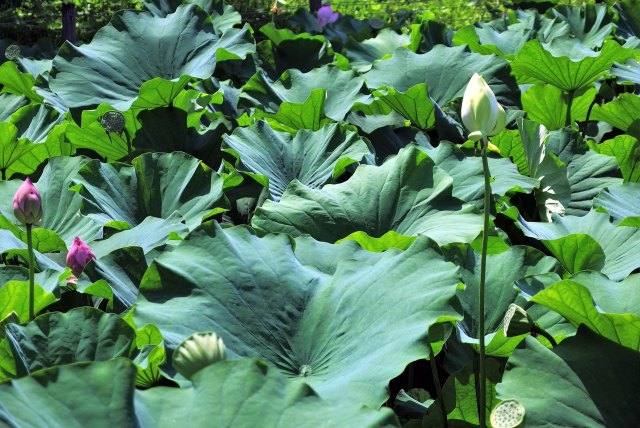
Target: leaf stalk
(482,392)
(31,273)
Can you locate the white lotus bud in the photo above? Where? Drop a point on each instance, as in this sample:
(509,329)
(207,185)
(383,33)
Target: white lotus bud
(197,352)
(482,115)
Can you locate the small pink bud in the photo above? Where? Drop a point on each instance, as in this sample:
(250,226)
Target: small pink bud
(326,15)
(27,205)
(79,255)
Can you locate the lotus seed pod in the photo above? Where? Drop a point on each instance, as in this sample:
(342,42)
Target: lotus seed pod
(480,112)
(27,204)
(112,121)
(12,52)
(517,321)
(508,414)
(197,352)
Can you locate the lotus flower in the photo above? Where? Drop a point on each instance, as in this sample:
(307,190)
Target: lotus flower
(27,204)
(326,15)
(79,255)
(482,115)
(197,352)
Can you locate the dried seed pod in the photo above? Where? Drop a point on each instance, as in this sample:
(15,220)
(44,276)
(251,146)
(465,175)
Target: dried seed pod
(112,121)
(12,52)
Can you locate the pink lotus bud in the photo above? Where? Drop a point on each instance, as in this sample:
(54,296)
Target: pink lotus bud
(326,15)
(27,205)
(79,255)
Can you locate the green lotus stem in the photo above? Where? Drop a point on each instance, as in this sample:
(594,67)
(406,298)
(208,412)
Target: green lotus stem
(482,410)
(436,380)
(126,134)
(542,332)
(31,273)
(567,121)
(4,174)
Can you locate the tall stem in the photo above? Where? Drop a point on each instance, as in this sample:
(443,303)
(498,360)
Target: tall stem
(128,137)
(436,380)
(567,120)
(31,273)
(482,410)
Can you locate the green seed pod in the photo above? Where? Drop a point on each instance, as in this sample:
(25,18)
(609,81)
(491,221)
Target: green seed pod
(12,52)
(197,352)
(112,121)
(508,414)
(517,321)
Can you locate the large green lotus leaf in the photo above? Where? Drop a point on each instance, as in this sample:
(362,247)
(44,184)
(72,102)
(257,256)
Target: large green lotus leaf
(622,112)
(35,122)
(306,115)
(167,129)
(56,338)
(248,393)
(588,172)
(407,194)
(151,233)
(92,135)
(503,270)
(11,149)
(574,302)
(586,381)
(312,158)
(14,297)
(577,252)
(468,35)
(223,16)
(55,145)
(434,69)
(9,104)
(11,244)
(487,40)
(17,153)
(15,82)
(610,296)
(620,201)
(617,242)
(285,50)
(182,43)
(98,393)
(535,64)
(344,89)
(414,104)
(362,54)
(334,316)
(427,33)
(60,206)
(527,149)
(123,269)
(627,72)
(590,24)
(547,105)
(157,185)
(626,150)
(467,174)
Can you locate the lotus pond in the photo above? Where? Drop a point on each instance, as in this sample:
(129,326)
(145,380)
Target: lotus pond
(333,223)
